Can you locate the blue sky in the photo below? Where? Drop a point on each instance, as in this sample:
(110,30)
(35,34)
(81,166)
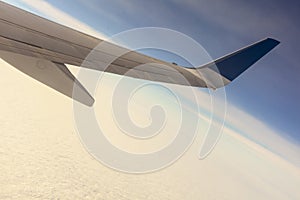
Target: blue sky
(269,90)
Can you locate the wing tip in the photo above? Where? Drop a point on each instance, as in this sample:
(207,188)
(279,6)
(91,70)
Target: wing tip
(234,64)
(273,41)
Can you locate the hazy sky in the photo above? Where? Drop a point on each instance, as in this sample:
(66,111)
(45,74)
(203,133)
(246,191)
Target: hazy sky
(266,93)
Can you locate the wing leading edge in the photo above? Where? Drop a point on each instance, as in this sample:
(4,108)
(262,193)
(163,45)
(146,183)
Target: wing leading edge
(26,39)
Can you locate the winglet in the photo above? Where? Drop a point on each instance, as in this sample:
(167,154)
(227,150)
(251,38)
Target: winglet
(233,64)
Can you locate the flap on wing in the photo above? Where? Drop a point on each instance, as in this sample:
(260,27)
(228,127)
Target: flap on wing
(54,75)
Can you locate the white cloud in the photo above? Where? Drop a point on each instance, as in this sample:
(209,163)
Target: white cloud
(262,134)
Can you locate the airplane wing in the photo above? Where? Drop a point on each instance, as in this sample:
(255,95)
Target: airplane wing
(40,48)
